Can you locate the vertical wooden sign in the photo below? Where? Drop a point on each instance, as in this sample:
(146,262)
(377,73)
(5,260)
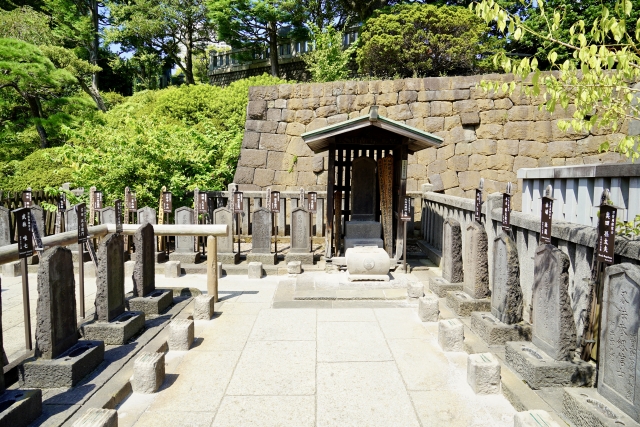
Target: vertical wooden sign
(477,215)
(385,179)
(27,200)
(118,208)
(606,233)
(506,209)
(546,216)
(312,202)
(25,232)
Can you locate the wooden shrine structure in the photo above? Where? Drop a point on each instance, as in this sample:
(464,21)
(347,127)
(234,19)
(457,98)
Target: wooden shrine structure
(388,143)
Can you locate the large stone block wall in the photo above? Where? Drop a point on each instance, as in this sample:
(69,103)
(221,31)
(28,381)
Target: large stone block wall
(486,135)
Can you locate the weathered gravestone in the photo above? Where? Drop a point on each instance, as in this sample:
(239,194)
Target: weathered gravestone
(261,238)
(300,237)
(70,224)
(62,360)
(185,245)
(452,267)
(146,298)
(550,360)
(113,325)
(5,226)
(225,244)
(108,215)
(148,215)
(39,215)
(476,263)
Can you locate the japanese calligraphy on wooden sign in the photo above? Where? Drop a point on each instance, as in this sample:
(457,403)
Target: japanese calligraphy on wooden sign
(274,202)
(405,213)
(606,233)
(62,202)
(238,202)
(81,213)
(312,202)
(27,201)
(167,202)
(25,233)
(546,215)
(506,209)
(97,200)
(404,169)
(118,208)
(203,203)
(131,201)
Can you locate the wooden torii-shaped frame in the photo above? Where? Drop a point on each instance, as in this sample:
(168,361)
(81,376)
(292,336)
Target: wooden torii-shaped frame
(373,136)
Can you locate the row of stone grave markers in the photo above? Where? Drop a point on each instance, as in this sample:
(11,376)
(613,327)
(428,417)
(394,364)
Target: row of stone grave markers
(544,353)
(61,359)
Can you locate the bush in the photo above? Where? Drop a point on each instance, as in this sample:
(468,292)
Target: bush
(40,169)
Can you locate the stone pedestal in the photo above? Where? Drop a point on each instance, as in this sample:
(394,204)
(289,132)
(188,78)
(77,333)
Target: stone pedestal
(585,407)
(116,332)
(483,373)
(185,257)
(154,303)
(294,267)
(19,408)
(535,418)
(494,332)
(203,307)
(228,257)
(428,308)
(98,417)
(157,257)
(255,270)
(451,335)
(66,370)
(172,269)
(440,286)
(181,334)
(306,258)
(148,373)
(415,289)
(539,370)
(11,269)
(463,304)
(266,259)
(367,263)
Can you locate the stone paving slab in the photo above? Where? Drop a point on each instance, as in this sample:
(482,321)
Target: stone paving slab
(351,342)
(266,411)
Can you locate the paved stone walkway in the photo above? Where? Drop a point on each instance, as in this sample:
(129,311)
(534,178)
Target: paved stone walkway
(254,365)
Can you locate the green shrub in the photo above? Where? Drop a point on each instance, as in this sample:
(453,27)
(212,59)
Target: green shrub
(38,170)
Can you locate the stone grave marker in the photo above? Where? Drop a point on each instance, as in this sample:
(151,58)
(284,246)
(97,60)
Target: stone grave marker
(618,379)
(506,296)
(110,279)
(476,263)
(261,234)
(39,215)
(185,216)
(56,329)
(147,214)
(554,330)
(5,226)
(225,216)
(363,189)
(452,267)
(108,215)
(144,269)
(71,223)
(300,238)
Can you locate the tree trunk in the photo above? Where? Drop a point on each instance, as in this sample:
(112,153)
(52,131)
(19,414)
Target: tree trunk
(188,60)
(273,49)
(94,93)
(34,106)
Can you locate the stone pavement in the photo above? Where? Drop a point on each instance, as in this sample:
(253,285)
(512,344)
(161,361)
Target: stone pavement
(254,365)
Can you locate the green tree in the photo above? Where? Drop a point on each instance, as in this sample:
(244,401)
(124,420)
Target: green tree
(27,71)
(422,40)
(178,29)
(256,24)
(328,61)
(599,77)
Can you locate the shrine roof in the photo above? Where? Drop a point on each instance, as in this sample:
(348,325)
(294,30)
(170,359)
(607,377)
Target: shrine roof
(319,140)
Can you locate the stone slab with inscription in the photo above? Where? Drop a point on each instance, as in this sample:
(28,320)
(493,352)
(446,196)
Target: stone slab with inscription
(5,226)
(148,214)
(476,262)
(452,266)
(226,254)
(300,238)
(185,245)
(363,189)
(261,238)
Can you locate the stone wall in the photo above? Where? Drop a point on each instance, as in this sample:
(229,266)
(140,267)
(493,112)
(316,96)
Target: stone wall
(489,135)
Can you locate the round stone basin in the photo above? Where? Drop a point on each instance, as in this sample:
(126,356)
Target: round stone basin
(78,351)
(155,294)
(532,352)
(490,319)
(125,317)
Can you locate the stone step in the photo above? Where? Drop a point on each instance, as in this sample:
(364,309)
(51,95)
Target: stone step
(351,294)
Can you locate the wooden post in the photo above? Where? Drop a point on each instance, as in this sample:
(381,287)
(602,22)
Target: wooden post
(25,304)
(402,191)
(329,204)
(212,267)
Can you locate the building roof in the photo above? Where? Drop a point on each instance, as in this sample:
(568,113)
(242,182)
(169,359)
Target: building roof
(319,140)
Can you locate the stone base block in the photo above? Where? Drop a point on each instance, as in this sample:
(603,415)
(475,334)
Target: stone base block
(255,270)
(12,269)
(228,258)
(463,304)
(158,257)
(306,259)
(367,261)
(128,268)
(294,267)
(355,242)
(98,417)
(494,332)
(483,373)
(585,407)
(181,334)
(400,268)
(415,289)
(539,370)
(451,335)
(203,307)
(172,269)
(154,303)
(367,277)
(266,259)
(34,259)
(185,257)
(535,418)
(429,308)
(440,287)
(65,371)
(19,408)
(116,332)
(219,270)
(148,373)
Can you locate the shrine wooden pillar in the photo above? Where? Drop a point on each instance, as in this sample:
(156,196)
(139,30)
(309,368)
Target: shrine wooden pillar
(402,191)
(329,203)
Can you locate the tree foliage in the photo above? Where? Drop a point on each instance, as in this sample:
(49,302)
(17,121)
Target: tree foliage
(328,61)
(599,77)
(422,40)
